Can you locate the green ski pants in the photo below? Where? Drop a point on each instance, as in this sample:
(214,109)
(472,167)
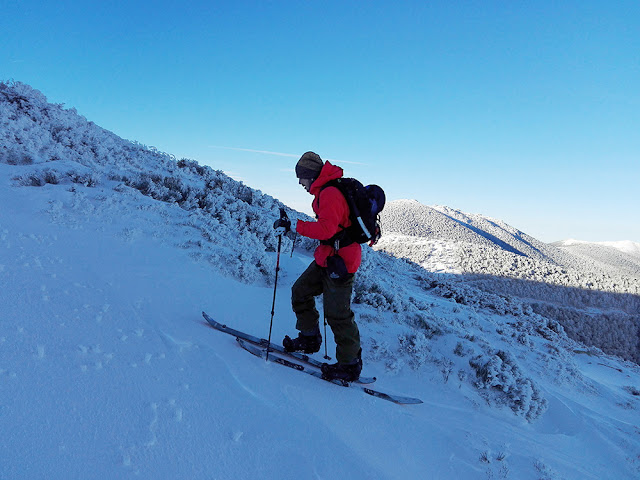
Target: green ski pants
(337,308)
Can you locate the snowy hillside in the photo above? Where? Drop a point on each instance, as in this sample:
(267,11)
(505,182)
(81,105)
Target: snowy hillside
(631,248)
(592,290)
(616,256)
(110,250)
(491,239)
(410,218)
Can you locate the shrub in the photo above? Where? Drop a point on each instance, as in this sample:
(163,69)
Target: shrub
(504,382)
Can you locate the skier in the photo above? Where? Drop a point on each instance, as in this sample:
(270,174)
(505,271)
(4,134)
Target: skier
(330,274)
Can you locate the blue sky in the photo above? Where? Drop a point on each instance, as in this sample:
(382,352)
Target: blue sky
(524,111)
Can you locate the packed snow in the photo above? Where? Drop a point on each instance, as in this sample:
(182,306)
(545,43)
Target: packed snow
(110,250)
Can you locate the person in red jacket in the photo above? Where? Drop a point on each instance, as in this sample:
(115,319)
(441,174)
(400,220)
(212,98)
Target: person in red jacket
(331,274)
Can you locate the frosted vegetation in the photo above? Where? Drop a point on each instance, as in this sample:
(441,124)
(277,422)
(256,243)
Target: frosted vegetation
(592,290)
(496,329)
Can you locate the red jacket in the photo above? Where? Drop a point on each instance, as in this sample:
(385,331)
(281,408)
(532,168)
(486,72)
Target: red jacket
(332,213)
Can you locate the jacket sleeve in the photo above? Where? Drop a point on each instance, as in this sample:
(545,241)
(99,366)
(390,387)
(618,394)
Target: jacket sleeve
(333,215)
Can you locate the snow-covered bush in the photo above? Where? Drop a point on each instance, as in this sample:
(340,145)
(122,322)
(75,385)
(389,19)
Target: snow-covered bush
(59,147)
(614,332)
(374,283)
(45,176)
(416,347)
(12,156)
(504,382)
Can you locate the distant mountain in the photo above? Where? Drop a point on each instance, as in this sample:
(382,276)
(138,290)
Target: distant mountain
(623,257)
(584,286)
(412,219)
(472,243)
(625,246)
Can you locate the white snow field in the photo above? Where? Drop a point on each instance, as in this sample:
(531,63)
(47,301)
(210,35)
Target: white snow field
(109,251)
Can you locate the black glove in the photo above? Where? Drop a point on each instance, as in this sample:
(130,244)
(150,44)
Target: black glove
(283,224)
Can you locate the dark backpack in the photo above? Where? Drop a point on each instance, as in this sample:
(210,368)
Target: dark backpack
(365,204)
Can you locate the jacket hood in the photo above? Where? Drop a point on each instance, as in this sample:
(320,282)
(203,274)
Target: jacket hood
(329,172)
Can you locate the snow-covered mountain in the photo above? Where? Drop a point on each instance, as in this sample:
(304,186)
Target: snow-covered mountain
(622,257)
(492,239)
(109,250)
(590,289)
(625,246)
(412,219)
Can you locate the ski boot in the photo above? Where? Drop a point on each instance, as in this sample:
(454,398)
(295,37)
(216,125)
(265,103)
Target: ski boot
(348,372)
(303,343)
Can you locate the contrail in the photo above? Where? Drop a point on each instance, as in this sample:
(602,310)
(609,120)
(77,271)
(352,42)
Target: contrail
(280,154)
(266,152)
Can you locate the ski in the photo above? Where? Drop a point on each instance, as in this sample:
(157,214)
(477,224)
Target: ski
(273,347)
(261,352)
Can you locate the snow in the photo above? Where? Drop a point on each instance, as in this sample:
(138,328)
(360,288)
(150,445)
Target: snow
(625,246)
(107,369)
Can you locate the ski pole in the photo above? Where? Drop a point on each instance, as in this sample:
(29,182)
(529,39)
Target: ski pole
(295,236)
(326,354)
(275,286)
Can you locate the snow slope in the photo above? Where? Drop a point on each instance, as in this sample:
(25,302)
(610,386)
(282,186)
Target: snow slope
(107,369)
